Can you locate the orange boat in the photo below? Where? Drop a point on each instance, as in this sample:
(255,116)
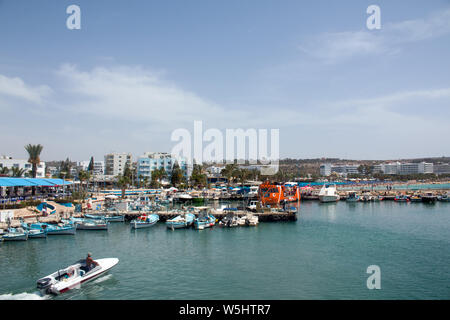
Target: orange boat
(275,193)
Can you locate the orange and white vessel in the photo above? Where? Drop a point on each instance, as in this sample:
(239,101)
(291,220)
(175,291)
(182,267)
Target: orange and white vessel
(276,193)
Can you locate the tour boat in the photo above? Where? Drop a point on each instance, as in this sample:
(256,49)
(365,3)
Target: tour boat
(274,193)
(328,193)
(182,221)
(144,221)
(429,197)
(73,276)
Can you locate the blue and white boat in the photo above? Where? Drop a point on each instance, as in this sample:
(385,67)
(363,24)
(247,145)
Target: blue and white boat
(110,218)
(51,229)
(15,234)
(352,197)
(144,221)
(34,233)
(182,221)
(204,221)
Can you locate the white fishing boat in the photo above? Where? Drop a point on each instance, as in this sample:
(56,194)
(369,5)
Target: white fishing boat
(242,221)
(73,276)
(328,193)
(92,225)
(251,220)
(184,220)
(144,221)
(15,234)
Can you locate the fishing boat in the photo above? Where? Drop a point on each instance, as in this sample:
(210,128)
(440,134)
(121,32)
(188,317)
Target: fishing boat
(92,225)
(444,197)
(230,221)
(328,193)
(401,198)
(242,221)
(15,234)
(204,220)
(184,220)
(144,221)
(251,220)
(34,233)
(429,197)
(275,193)
(51,229)
(109,218)
(352,197)
(415,198)
(252,206)
(73,276)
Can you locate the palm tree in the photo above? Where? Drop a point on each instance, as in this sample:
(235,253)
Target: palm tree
(34,151)
(4,171)
(17,172)
(83,176)
(123,182)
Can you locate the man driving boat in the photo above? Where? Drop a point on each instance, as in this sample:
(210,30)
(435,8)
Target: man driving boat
(90,263)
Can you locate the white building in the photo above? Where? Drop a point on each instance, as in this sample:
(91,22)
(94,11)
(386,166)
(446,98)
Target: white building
(151,161)
(404,168)
(99,167)
(9,162)
(441,168)
(115,163)
(325,169)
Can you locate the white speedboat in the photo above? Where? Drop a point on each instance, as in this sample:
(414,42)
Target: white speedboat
(73,276)
(251,220)
(328,193)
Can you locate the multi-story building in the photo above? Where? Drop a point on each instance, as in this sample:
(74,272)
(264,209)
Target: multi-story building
(9,162)
(343,169)
(151,161)
(325,169)
(441,168)
(115,163)
(99,167)
(404,168)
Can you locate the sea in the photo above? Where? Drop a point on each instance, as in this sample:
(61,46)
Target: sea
(328,253)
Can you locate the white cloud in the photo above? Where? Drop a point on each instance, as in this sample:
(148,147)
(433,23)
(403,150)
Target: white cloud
(333,47)
(16,88)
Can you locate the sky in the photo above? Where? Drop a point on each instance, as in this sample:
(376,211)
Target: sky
(138,70)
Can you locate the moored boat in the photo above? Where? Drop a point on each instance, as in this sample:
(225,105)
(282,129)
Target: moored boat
(251,220)
(401,198)
(144,221)
(73,276)
(65,229)
(92,225)
(15,234)
(352,197)
(204,220)
(182,221)
(328,193)
(429,197)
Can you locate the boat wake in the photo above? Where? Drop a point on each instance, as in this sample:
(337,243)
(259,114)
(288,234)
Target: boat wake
(24,296)
(101,279)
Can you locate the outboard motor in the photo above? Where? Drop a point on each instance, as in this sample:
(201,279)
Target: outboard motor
(44,284)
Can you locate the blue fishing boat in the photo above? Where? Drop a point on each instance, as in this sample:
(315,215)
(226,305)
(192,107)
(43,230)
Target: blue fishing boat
(51,229)
(204,220)
(352,197)
(184,220)
(110,218)
(144,221)
(34,233)
(401,198)
(15,234)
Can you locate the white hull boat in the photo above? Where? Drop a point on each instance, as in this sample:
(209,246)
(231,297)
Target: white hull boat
(73,276)
(328,194)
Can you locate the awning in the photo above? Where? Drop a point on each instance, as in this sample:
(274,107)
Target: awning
(32,182)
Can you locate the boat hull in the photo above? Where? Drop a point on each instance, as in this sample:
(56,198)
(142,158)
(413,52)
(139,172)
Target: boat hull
(14,237)
(328,198)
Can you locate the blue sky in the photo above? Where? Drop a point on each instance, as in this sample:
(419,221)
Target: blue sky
(137,70)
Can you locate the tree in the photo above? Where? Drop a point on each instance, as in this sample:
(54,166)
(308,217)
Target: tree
(123,182)
(197,176)
(34,152)
(91,165)
(177,174)
(83,176)
(65,168)
(17,172)
(4,171)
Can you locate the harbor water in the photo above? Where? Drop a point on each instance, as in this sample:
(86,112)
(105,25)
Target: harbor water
(323,255)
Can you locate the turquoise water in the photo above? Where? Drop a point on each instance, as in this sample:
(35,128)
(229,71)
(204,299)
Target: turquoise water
(323,255)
